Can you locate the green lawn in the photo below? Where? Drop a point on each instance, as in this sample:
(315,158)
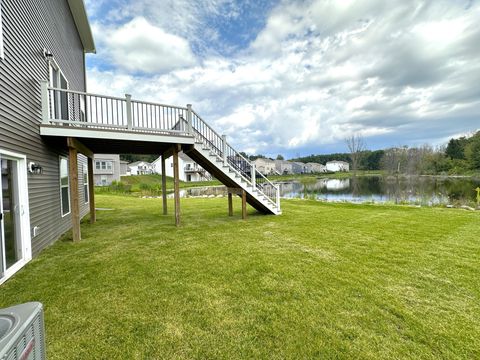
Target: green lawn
(321,281)
(155,179)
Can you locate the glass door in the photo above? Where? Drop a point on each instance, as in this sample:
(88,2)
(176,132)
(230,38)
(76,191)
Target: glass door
(12,212)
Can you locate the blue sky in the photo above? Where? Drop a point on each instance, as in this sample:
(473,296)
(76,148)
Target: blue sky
(298,77)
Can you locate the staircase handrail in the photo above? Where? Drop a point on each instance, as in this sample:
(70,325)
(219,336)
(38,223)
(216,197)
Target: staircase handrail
(220,153)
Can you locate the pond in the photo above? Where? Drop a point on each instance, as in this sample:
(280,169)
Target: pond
(422,190)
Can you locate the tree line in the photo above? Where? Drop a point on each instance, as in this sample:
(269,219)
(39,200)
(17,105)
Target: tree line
(459,156)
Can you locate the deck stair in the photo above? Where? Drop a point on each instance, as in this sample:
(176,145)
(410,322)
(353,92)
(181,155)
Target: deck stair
(99,117)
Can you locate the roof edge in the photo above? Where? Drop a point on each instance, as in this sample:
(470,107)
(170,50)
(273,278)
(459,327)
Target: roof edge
(77,7)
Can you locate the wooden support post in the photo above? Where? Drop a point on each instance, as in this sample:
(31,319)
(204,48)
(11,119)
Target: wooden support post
(91,191)
(230,204)
(164,186)
(74,193)
(176,187)
(244,205)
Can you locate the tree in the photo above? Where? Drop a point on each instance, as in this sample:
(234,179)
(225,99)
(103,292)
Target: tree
(456,148)
(280,157)
(356,146)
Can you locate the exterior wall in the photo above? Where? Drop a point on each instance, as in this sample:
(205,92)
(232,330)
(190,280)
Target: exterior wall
(123,168)
(28,27)
(337,166)
(265,166)
(141,168)
(298,168)
(283,167)
(184,164)
(314,168)
(109,175)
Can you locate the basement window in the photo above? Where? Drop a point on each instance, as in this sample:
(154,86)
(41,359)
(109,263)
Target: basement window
(64,187)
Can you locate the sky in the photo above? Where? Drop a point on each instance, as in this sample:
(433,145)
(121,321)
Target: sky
(298,77)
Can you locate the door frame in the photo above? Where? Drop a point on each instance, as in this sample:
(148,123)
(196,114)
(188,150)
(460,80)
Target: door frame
(25,236)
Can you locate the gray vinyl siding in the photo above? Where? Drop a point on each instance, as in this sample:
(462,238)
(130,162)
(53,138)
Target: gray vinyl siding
(28,27)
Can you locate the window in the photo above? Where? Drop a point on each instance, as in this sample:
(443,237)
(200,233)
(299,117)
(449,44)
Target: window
(59,103)
(85,183)
(103,180)
(103,165)
(64,186)
(1,32)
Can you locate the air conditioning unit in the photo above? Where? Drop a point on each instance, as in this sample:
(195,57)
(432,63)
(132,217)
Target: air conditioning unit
(22,332)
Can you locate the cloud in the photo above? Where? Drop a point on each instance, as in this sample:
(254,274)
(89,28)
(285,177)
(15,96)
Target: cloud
(139,46)
(402,72)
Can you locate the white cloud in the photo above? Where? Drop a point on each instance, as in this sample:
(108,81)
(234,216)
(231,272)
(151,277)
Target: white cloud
(139,46)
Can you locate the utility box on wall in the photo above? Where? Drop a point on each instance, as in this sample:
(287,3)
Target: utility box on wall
(22,332)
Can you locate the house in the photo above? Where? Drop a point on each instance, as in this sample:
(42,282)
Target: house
(124,171)
(298,167)
(51,127)
(337,165)
(189,170)
(106,169)
(265,166)
(314,168)
(39,41)
(141,168)
(283,167)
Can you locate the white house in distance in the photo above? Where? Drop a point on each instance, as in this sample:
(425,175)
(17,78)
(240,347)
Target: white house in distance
(265,166)
(106,169)
(337,165)
(314,168)
(283,167)
(141,168)
(188,170)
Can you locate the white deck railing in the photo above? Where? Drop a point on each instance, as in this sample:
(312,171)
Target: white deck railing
(93,111)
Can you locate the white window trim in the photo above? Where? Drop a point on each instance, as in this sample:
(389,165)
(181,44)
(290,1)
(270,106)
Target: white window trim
(25,226)
(53,65)
(2,53)
(68,185)
(85,184)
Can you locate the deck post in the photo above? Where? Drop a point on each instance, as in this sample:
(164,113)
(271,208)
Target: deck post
(224,149)
(164,186)
(176,186)
(189,119)
(278,197)
(128,99)
(230,204)
(244,205)
(253,176)
(74,193)
(91,191)
(44,94)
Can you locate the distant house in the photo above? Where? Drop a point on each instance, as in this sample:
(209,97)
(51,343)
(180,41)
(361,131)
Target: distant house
(298,168)
(337,165)
(106,169)
(141,168)
(265,166)
(124,168)
(188,170)
(314,168)
(283,167)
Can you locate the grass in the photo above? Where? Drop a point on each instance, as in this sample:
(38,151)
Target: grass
(156,180)
(321,281)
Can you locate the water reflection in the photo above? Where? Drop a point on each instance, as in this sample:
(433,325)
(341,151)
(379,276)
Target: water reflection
(417,190)
(412,190)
